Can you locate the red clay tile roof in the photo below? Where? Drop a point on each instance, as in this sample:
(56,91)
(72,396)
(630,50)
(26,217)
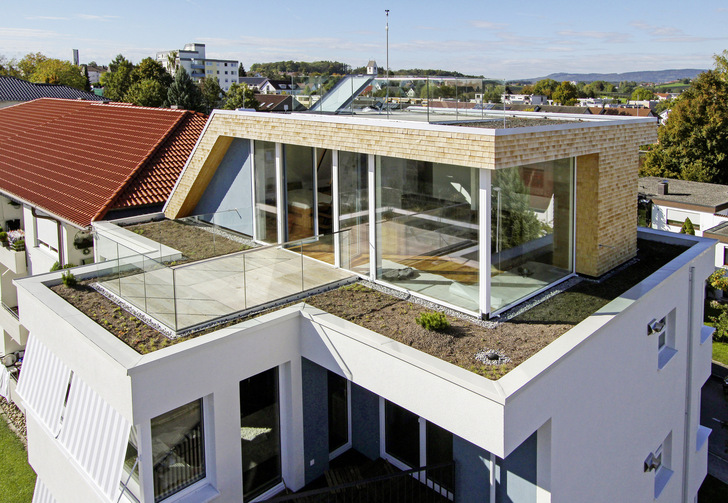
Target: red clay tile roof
(75,159)
(154,182)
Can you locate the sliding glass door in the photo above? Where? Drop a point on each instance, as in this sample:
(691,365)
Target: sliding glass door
(260,433)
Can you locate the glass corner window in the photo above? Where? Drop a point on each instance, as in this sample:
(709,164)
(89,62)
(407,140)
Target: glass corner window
(178,449)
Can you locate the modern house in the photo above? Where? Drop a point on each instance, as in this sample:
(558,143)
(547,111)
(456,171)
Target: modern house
(14,91)
(193,59)
(667,203)
(471,217)
(67,163)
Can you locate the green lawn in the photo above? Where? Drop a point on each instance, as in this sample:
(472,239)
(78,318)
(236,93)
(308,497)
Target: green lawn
(720,352)
(16,476)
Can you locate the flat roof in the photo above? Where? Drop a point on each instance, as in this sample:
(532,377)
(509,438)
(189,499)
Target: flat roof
(685,194)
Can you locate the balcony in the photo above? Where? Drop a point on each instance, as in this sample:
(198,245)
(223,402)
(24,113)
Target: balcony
(11,324)
(13,260)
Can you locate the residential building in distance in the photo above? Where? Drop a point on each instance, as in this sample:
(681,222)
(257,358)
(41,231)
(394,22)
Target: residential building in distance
(223,399)
(65,164)
(667,203)
(193,59)
(14,91)
(264,85)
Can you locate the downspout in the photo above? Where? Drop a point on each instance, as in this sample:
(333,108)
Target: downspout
(688,385)
(59,229)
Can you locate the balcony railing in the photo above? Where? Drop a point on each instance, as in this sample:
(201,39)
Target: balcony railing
(13,311)
(184,296)
(428,484)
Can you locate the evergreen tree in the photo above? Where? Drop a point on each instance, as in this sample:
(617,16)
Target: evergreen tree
(184,93)
(517,223)
(687,227)
(212,94)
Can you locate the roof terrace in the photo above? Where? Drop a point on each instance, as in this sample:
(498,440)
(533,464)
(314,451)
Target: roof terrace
(145,296)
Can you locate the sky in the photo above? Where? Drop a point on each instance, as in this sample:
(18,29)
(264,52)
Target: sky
(505,40)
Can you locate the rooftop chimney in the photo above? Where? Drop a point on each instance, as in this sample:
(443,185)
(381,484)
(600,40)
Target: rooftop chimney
(662,188)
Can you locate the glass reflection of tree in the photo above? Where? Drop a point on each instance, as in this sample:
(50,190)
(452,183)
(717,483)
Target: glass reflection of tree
(516,224)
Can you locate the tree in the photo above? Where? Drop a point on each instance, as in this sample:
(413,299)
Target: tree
(183,93)
(55,71)
(117,80)
(693,144)
(240,96)
(8,67)
(151,69)
(146,93)
(212,94)
(518,224)
(172,62)
(687,227)
(642,94)
(721,63)
(241,70)
(566,94)
(545,87)
(29,62)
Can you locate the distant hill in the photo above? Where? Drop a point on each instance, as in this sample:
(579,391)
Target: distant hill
(656,76)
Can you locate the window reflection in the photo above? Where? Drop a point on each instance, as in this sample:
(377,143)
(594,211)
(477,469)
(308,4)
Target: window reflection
(531,229)
(178,449)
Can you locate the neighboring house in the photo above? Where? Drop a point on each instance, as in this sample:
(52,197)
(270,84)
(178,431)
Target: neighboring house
(265,85)
(14,91)
(523,99)
(668,202)
(65,164)
(278,103)
(609,411)
(631,111)
(95,72)
(372,68)
(192,58)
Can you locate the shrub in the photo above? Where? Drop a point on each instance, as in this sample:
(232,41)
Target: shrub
(718,279)
(433,320)
(687,227)
(19,245)
(721,327)
(3,237)
(69,279)
(57,266)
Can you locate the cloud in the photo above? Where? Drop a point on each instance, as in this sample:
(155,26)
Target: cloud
(47,18)
(487,25)
(604,36)
(670,33)
(95,17)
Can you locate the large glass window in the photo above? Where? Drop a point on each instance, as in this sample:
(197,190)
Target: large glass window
(299,191)
(266,211)
(338,402)
(354,211)
(260,433)
(427,229)
(178,449)
(532,234)
(323,247)
(402,434)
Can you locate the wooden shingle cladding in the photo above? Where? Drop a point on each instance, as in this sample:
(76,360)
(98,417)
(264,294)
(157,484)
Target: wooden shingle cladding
(606,155)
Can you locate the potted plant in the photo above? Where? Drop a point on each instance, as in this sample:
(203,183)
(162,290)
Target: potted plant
(19,244)
(3,238)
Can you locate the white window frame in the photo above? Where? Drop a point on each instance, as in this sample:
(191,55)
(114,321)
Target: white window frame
(422,422)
